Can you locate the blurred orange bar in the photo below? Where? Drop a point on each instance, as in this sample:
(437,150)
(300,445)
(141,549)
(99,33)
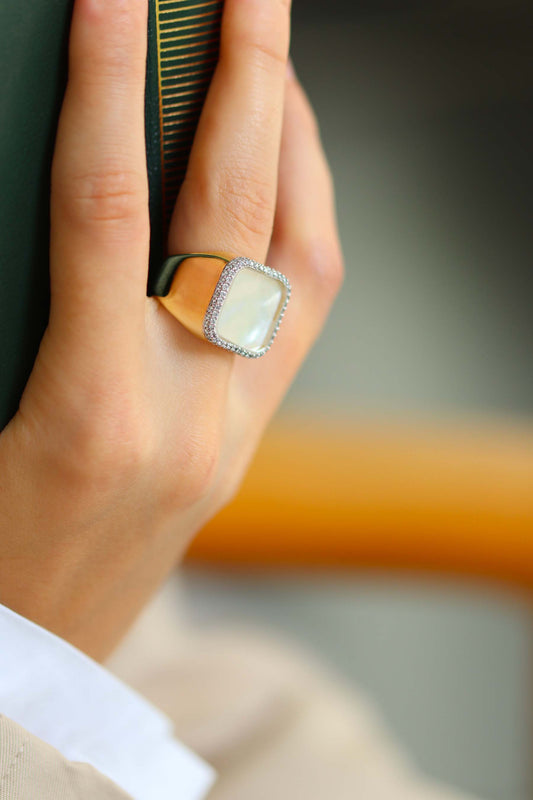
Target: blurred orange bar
(452,497)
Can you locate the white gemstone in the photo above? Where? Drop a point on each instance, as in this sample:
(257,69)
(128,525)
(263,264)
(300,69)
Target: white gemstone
(251,309)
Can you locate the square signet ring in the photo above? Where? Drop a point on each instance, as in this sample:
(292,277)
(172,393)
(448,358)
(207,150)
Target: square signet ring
(233,302)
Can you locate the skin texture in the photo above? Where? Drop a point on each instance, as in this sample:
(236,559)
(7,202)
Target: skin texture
(132,433)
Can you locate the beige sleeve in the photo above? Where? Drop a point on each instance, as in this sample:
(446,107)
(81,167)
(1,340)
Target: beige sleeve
(271,721)
(31,769)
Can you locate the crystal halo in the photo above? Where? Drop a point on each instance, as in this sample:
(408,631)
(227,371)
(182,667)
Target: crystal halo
(230,271)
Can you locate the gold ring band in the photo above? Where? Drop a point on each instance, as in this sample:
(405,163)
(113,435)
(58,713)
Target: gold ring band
(233,302)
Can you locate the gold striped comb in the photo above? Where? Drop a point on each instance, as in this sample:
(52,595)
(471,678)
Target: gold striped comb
(182,54)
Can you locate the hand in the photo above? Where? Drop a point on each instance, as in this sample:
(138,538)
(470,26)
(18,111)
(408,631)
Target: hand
(131,432)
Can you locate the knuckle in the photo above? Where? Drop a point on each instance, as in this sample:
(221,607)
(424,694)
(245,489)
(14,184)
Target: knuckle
(115,196)
(230,480)
(260,35)
(265,53)
(102,453)
(203,461)
(198,463)
(240,201)
(324,267)
(112,456)
(249,203)
(127,449)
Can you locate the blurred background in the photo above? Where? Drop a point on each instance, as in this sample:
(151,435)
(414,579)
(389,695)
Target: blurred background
(388,521)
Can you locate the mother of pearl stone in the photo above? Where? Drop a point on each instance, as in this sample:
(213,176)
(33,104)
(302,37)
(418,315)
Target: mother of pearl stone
(251,309)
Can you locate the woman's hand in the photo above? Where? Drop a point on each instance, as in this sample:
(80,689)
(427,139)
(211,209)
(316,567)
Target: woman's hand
(132,432)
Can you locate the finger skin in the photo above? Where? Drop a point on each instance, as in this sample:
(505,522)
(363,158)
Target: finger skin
(305,208)
(228,198)
(305,243)
(99,199)
(305,246)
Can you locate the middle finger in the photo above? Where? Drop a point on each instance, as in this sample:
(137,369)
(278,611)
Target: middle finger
(228,198)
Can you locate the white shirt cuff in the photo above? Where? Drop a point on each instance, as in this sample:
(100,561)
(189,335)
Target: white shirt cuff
(65,698)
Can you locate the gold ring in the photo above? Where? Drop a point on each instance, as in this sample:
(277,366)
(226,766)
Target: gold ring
(233,302)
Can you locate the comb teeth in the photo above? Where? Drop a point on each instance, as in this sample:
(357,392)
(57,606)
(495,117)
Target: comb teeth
(188,33)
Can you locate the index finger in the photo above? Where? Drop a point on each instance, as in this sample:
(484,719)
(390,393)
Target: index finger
(99,202)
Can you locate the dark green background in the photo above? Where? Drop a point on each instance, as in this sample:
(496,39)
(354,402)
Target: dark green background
(33,63)
(33,40)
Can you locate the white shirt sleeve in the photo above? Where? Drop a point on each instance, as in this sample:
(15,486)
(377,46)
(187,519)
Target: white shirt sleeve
(62,696)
